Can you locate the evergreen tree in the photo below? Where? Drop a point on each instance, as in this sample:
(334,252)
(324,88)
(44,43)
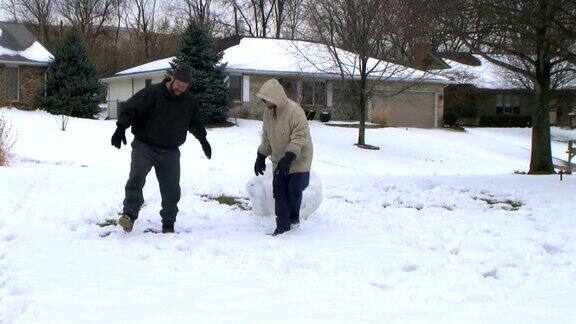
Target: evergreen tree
(72,83)
(207,84)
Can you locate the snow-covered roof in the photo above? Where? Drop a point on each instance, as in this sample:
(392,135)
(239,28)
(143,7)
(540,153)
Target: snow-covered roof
(488,75)
(18,45)
(287,57)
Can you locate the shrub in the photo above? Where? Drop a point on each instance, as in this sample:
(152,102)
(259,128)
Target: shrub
(207,86)
(506,121)
(6,142)
(325,116)
(310,114)
(72,81)
(450,118)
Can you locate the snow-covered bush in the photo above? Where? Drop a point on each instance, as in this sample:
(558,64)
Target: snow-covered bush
(6,142)
(260,194)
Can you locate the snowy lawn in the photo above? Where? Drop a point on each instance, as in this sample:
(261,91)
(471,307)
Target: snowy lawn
(434,227)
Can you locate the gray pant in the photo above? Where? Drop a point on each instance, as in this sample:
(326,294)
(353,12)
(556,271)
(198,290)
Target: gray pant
(166,163)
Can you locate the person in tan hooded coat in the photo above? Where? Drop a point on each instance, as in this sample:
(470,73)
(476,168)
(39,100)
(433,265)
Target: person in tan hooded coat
(286,139)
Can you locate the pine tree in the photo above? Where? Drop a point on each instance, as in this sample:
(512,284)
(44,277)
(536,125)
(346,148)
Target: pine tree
(72,81)
(207,85)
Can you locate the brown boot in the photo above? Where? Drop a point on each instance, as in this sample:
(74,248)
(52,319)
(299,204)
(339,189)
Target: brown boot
(126,222)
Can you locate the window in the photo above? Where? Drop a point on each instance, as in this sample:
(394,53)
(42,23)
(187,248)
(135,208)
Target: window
(320,94)
(507,104)
(148,83)
(308,93)
(314,93)
(235,87)
(12,86)
(289,86)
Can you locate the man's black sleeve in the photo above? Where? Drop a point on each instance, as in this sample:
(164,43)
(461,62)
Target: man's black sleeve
(196,126)
(134,108)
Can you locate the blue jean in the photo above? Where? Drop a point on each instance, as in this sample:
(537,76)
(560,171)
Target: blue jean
(287,192)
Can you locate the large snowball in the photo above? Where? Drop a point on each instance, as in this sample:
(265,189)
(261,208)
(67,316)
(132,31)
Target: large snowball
(259,190)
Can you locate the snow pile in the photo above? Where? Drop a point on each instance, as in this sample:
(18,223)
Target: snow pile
(163,64)
(300,56)
(488,75)
(36,52)
(259,189)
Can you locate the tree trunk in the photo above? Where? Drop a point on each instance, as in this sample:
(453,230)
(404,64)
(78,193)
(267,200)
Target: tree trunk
(362,107)
(541,157)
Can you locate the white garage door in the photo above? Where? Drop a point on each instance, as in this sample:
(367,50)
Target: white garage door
(407,109)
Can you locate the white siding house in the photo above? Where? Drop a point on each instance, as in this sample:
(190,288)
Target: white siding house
(309,77)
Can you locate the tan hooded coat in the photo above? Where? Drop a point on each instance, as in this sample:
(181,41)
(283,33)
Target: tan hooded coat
(285,128)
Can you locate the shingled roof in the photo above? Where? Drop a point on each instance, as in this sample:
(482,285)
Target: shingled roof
(19,45)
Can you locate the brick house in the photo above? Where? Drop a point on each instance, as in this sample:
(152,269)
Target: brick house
(23,64)
(483,90)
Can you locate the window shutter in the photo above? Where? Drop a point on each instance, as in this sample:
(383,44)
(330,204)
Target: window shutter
(246,88)
(329,94)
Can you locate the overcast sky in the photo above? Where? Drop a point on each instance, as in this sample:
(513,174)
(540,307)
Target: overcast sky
(3,16)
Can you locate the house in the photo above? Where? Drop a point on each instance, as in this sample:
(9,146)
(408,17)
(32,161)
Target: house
(23,64)
(483,91)
(403,97)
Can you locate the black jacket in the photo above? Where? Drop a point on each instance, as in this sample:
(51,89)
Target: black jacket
(160,119)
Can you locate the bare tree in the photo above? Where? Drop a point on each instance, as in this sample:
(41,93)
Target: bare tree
(279,7)
(88,17)
(361,27)
(410,25)
(294,24)
(268,18)
(199,10)
(141,20)
(37,13)
(210,13)
(255,15)
(534,39)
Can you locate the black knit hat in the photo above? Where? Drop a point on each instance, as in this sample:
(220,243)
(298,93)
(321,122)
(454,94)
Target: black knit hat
(183,73)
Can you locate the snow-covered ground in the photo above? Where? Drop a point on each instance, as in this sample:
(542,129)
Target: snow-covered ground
(433,228)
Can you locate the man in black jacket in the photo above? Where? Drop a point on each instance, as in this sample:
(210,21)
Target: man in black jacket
(160,116)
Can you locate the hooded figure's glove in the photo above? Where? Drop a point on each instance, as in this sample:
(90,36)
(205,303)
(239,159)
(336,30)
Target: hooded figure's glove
(260,165)
(283,167)
(119,137)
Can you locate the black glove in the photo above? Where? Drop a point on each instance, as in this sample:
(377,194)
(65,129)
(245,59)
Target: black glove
(119,137)
(283,167)
(206,148)
(260,165)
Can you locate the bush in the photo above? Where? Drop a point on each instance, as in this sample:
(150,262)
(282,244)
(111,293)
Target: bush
(6,142)
(198,51)
(72,81)
(310,114)
(325,116)
(486,121)
(450,118)
(506,121)
(463,111)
